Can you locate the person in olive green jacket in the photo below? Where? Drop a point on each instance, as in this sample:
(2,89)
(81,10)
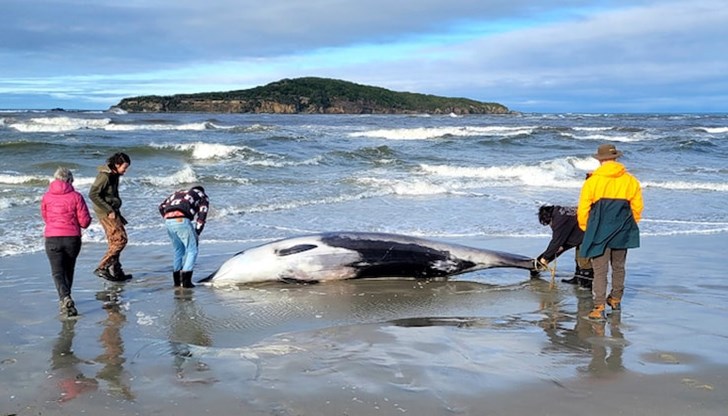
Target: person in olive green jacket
(104,195)
(610,206)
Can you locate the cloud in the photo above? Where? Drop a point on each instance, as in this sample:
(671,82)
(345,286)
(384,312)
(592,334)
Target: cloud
(147,33)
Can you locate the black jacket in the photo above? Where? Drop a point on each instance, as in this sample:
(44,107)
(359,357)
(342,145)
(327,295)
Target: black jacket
(565,232)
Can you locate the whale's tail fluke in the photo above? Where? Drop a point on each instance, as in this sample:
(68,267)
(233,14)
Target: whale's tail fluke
(494,259)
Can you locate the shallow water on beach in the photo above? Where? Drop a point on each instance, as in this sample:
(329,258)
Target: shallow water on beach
(275,176)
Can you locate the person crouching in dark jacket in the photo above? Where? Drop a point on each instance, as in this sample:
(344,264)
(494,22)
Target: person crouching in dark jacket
(565,234)
(185,213)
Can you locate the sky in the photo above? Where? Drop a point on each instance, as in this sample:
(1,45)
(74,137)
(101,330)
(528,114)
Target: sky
(555,56)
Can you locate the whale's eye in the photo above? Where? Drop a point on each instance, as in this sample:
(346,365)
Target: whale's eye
(295,249)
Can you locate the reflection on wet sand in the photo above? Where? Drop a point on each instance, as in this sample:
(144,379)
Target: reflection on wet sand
(64,365)
(187,327)
(111,340)
(603,340)
(607,350)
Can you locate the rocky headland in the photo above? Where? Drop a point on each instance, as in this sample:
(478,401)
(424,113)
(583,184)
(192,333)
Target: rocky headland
(310,96)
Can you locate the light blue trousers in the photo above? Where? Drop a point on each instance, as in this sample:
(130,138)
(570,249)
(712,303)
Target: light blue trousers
(184,242)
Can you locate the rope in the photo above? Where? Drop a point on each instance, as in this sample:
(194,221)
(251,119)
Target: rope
(553,274)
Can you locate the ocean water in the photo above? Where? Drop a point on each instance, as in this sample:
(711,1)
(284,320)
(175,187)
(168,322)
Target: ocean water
(273,176)
(492,341)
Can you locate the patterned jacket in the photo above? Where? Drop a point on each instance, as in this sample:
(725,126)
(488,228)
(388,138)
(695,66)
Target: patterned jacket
(192,204)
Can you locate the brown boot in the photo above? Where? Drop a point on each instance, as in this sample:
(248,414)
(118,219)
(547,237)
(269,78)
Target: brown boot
(614,303)
(597,314)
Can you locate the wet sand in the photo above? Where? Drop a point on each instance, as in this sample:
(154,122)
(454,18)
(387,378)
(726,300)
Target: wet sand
(491,342)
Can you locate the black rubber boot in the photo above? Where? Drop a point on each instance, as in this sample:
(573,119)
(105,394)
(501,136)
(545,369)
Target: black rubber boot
(118,273)
(574,279)
(104,273)
(586,276)
(177,277)
(187,279)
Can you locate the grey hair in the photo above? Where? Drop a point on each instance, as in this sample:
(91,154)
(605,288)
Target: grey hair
(63,174)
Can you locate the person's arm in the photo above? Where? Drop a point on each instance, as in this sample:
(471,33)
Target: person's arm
(202,213)
(101,183)
(163,206)
(84,218)
(561,226)
(585,203)
(636,203)
(43,209)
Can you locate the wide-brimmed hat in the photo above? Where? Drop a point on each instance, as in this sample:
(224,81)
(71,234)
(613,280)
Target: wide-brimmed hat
(606,152)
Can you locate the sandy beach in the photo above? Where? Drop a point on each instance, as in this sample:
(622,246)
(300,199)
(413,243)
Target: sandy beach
(491,342)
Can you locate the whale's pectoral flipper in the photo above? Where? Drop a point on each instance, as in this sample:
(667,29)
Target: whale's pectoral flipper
(295,249)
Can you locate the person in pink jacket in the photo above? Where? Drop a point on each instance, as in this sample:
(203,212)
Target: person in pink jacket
(65,213)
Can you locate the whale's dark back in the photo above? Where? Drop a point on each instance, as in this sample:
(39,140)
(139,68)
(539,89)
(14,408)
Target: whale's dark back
(389,257)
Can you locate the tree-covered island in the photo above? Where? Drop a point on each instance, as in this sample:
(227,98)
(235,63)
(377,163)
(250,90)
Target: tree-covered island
(310,95)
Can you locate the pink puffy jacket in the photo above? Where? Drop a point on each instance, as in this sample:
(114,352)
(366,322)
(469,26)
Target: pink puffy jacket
(64,211)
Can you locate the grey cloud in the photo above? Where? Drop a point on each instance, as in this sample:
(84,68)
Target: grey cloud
(105,36)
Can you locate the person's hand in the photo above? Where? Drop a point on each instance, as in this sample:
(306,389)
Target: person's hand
(112,215)
(543,263)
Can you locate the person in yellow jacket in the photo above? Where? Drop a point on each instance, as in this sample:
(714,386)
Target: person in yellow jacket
(610,206)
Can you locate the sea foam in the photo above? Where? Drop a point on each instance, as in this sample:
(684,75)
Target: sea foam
(423,133)
(553,174)
(202,150)
(713,130)
(66,124)
(184,176)
(688,186)
(58,124)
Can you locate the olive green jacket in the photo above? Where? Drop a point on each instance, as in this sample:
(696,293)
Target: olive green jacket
(104,193)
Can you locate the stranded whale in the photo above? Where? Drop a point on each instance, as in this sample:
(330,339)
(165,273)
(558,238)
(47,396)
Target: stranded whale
(357,255)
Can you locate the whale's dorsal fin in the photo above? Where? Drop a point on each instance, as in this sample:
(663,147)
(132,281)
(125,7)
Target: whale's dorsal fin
(300,248)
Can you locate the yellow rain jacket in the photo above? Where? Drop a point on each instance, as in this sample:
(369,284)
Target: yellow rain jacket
(610,206)
(610,180)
